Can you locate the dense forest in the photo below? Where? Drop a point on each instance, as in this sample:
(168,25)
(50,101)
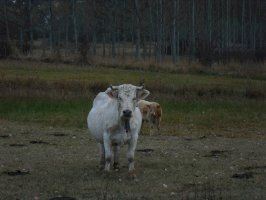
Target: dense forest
(204,30)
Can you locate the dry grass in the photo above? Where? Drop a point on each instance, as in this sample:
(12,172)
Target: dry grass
(184,65)
(67,81)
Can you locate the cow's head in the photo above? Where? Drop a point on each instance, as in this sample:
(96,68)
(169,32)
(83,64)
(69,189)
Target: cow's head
(127,96)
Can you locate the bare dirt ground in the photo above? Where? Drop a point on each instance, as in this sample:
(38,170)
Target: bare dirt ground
(38,162)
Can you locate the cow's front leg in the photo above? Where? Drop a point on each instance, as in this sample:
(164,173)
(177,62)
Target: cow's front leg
(151,128)
(131,153)
(116,149)
(107,151)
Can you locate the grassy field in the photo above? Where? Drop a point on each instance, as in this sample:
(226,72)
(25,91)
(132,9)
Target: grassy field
(61,95)
(211,146)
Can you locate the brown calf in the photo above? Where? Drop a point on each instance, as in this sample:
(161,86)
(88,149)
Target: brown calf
(151,113)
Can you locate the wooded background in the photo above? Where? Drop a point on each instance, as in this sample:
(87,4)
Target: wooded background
(207,31)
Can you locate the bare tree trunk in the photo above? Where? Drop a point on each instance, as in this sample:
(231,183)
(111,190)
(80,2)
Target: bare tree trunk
(66,39)
(261,26)
(250,25)
(21,42)
(152,31)
(174,32)
(75,24)
(109,45)
(254,31)
(114,38)
(104,40)
(159,30)
(6,23)
(51,26)
(112,17)
(124,30)
(30,26)
(210,22)
(227,23)
(94,42)
(137,14)
(193,30)
(5,45)
(94,37)
(243,25)
(43,44)
(178,44)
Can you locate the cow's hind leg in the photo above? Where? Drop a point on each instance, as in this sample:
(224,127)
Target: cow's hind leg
(102,156)
(158,125)
(107,151)
(116,149)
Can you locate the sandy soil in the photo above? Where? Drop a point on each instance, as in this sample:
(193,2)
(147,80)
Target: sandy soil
(38,162)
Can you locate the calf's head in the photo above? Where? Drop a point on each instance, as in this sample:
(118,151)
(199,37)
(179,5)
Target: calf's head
(127,96)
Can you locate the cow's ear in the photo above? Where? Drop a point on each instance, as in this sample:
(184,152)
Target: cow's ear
(112,93)
(142,94)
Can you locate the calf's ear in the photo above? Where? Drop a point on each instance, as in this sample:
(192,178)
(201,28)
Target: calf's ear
(142,94)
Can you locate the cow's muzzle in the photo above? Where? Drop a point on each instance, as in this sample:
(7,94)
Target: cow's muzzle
(127,113)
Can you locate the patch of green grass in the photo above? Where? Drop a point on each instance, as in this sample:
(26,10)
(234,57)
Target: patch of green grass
(192,115)
(50,112)
(61,95)
(216,114)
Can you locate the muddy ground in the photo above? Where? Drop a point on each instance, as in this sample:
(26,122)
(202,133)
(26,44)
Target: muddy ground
(39,162)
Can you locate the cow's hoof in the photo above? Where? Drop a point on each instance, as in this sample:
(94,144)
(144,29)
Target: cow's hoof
(101,167)
(106,171)
(106,174)
(116,167)
(132,175)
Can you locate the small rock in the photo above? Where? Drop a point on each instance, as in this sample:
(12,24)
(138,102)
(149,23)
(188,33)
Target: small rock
(165,186)
(173,194)
(245,175)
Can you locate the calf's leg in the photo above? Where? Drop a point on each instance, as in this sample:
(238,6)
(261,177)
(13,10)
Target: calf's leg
(151,127)
(158,122)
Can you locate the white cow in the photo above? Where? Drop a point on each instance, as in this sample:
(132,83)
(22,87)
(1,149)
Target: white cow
(115,120)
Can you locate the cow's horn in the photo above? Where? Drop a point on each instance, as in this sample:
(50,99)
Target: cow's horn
(113,87)
(140,87)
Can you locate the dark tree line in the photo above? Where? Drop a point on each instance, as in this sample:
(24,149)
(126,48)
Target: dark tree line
(204,30)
